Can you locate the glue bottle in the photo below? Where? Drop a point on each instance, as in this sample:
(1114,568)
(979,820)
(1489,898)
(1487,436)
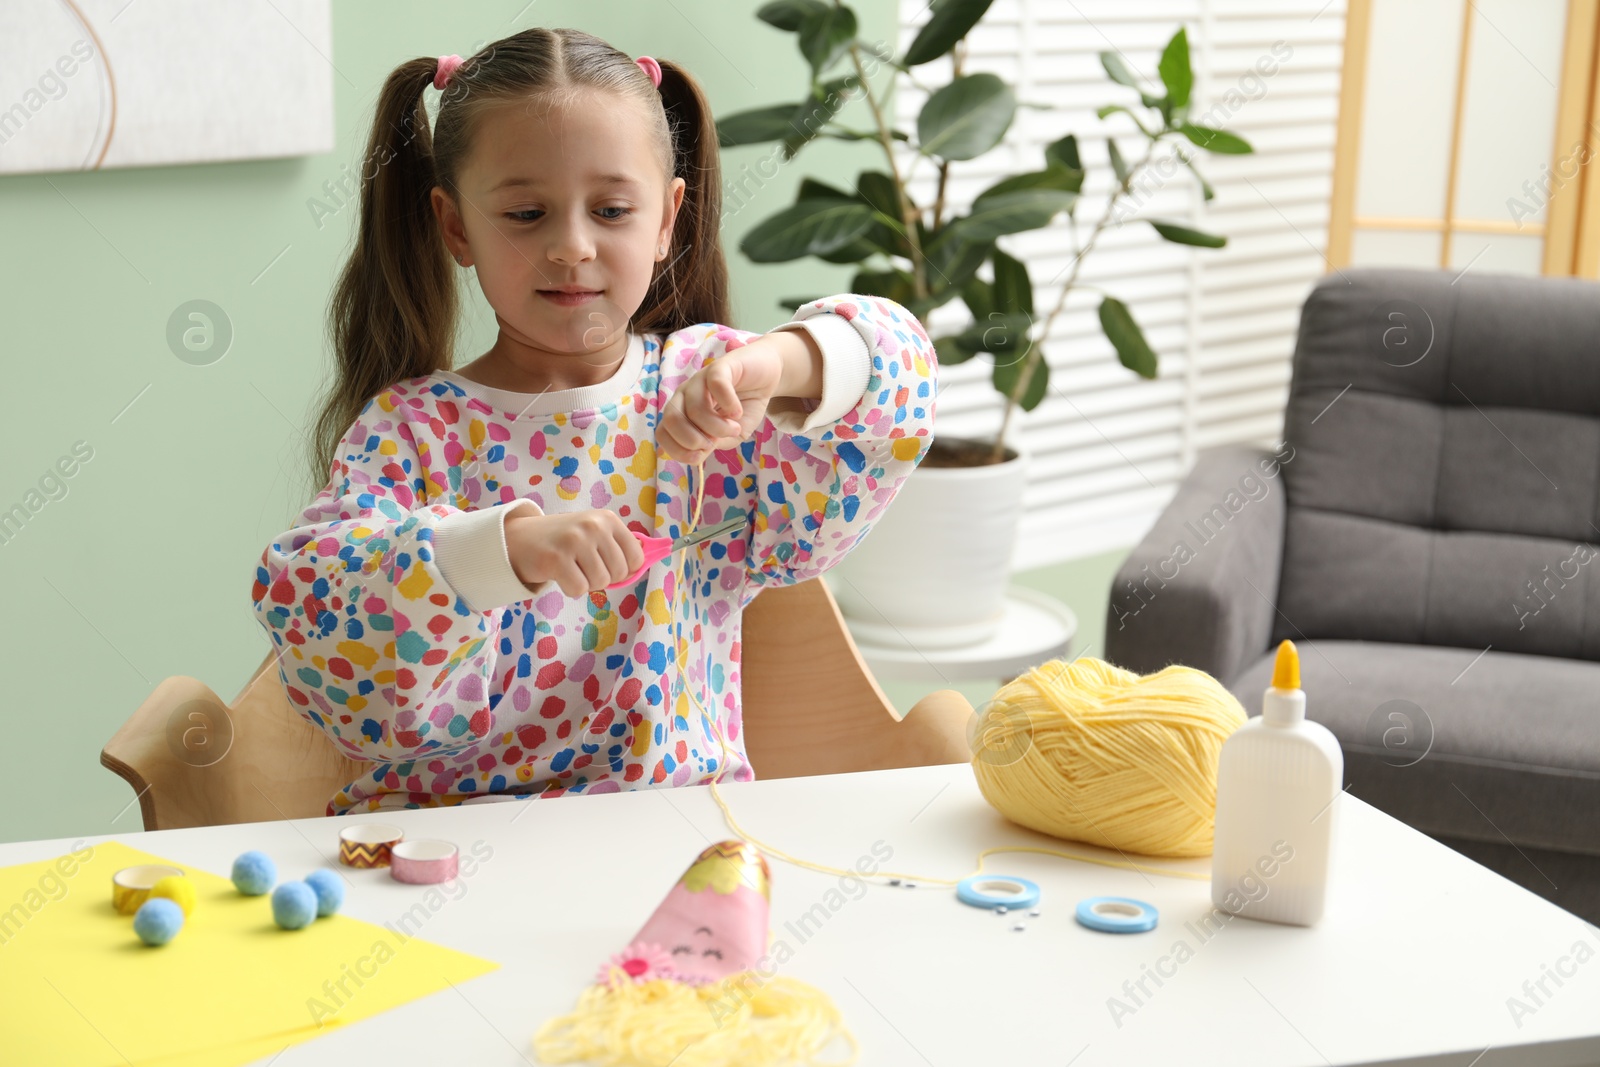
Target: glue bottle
(1279,777)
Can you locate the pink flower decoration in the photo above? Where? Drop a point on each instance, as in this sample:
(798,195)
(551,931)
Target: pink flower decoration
(641,961)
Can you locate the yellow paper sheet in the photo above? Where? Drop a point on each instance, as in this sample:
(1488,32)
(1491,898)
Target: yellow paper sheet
(78,986)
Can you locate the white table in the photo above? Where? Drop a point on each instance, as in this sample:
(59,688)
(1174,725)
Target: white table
(1413,963)
(1035,628)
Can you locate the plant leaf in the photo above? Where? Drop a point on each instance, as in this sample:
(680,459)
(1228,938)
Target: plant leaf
(896,284)
(812,189)
(1176,73)
(952,262)
(1025,209)
(1183,235)
(1205,186)
(1008,371)
(810,227)
(789,14)
(966,118)
(1065,152)
(878,191)
(951,21)
(948,352)
(1118,166)
(1055,176)
(920,308)
(978,295)
(1001,334)
(815,112)
(862,135)
(759,124)
(1126,337)
(1111,109)
(854,252)
(825,35)
(1013,291)
(1118,70)
(1216,140)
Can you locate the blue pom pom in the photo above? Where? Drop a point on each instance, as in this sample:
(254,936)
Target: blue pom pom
(254,872)
(329,888)
(158,920)
(294,905)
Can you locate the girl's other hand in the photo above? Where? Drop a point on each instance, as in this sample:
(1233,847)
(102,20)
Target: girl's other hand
(722,403)
(580,551)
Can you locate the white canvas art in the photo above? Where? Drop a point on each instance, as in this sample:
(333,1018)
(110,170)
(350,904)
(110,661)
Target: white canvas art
(89,84)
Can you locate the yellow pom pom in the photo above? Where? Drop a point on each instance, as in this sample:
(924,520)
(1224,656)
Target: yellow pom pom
(178,889)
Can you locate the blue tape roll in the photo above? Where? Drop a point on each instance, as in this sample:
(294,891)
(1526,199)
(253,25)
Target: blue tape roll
(1117,915)
(996,891)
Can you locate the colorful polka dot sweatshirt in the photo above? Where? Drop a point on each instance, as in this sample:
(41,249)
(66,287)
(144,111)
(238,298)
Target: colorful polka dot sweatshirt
(403,633)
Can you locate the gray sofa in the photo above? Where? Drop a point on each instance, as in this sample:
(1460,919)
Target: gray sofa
(1425,534)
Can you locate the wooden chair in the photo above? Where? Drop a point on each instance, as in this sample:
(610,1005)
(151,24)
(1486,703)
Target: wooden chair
(811,706)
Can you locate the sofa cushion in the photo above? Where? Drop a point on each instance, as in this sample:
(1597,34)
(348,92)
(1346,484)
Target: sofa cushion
(1485,745)
(1446,481)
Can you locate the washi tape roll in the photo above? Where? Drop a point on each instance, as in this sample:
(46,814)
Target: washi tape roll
(130,887)
(423,862)
(368,844)
(997,891)
(1117,915)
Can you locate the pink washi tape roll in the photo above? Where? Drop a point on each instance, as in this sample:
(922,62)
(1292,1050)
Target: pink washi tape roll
(368,844)
(423,862)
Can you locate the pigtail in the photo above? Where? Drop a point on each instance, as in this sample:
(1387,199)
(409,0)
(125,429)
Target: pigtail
(691,284)
(394,307)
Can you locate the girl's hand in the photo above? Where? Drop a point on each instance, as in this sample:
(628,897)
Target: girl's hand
(722,404)
(581,551)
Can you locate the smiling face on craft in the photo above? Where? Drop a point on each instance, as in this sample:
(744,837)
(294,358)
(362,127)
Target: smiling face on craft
(699,954)
(562,193)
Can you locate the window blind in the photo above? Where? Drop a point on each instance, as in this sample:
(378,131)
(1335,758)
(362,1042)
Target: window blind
(1107,448)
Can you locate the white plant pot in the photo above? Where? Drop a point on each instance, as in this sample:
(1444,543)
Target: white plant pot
(932,571)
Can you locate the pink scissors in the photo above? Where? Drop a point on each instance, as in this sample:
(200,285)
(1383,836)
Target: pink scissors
(658,548)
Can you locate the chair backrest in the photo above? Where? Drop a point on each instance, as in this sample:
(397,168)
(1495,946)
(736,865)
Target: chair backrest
(810,706)
(1444,486)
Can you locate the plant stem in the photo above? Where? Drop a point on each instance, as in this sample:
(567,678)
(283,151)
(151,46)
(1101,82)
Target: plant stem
(908,214)
(958,55)
(1036,351)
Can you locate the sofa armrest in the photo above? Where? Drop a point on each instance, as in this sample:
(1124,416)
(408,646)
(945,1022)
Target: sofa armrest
(1202,586)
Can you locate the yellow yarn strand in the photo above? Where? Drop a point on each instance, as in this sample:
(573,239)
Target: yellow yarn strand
(1087,752)
(1020,790)
(747,1018)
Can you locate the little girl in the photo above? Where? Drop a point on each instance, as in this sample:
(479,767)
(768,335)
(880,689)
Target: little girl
(441,610)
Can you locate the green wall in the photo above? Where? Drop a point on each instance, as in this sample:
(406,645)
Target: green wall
(140,566)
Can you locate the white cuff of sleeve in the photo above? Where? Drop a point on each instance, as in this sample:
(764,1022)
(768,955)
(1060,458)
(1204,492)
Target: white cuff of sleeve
(470,549)
(846,369)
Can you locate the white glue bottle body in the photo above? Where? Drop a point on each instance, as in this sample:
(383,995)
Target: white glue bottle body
(1279,777)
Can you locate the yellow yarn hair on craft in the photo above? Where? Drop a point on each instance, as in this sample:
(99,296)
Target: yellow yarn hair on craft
(747,1019)
(1087,751)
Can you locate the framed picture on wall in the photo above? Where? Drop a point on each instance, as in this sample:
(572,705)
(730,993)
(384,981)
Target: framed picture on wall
(89,84)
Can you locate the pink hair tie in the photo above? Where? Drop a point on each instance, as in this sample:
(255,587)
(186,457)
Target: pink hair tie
(447,67)
(652,68)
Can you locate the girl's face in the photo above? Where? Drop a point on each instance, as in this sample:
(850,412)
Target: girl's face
(555,197)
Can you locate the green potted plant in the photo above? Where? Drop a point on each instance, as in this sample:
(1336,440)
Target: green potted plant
(958,513)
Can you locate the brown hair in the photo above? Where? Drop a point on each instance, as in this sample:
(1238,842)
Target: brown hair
(394,308)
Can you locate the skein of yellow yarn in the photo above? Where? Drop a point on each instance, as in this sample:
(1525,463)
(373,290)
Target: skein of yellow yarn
(1087,751)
